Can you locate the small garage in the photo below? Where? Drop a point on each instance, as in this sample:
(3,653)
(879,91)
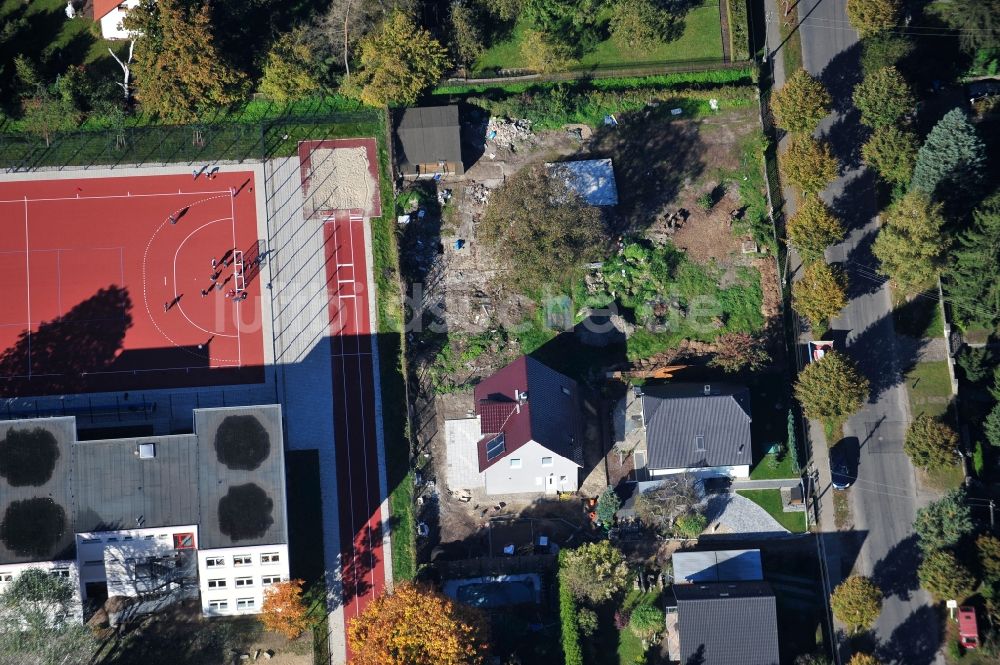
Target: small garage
(427,141)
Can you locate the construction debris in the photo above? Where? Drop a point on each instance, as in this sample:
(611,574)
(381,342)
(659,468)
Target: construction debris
(510,134)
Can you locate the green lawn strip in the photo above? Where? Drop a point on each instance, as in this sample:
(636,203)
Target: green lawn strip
(918,317)
(929,387)
(701,40)
(630,650)
(770,467)
(791,51)
(385,251)
(770,500)
(945,478)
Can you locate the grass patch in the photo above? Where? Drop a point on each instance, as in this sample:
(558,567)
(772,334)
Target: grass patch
(770,500)
(630,650)
(929,387)
(842,510)
(791,52)
(772,467)
(701,40)
(919,318)
(735,75)
(946,477)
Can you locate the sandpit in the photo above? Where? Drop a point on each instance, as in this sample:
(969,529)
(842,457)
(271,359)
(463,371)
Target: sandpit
(340,179)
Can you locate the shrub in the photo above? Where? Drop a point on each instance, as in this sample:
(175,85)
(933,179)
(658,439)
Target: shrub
(856,602)
(594,572)
(586,619)
(739,42)
(930,443)
(646,621)
(691,525)
(607,505)
(568,619)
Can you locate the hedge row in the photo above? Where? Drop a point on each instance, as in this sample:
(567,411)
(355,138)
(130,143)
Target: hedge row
(555,106)
(569,629)
(739,42)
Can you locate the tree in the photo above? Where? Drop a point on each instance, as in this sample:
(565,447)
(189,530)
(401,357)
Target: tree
(943,523)
(542,55)
(399,60)
(813,228)
(863,659)
(607,505)
(415,625)
(348,21)
(37,624)
(284,610)
(801,103)
(945,577)
(572,24)
(690,525)
(735,351)
(46,113)
(883,97)
(870,17)
(657,508)
(856,602)
(975,363)
(646,622)
(466,37)
(639,24)
(595,572)
(884,50)
(540,230)
(178,68)
(821,293)
(831,387)
(952,161)
(971,278)
(976,21)
(288,72)
(892,152)
(930,443)
(808,164)
(586,620)
(988,550)
(992,426)
(910,245)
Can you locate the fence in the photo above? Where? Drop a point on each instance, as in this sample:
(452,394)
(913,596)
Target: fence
(488,566)
(601,71)
(231,141)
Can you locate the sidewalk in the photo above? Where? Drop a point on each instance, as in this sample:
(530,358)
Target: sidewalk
(765,484)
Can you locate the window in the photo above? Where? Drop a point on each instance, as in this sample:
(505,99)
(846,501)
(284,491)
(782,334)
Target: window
(89,540)
(243,582)
(217,584)
(112,539)
(242,560)
(562,479)
(515,463)
(699,443)
(268,580)
(6,577)
(270,557)
(218,604)
(245,603)
(546,461)
(215,562)
(127,538)
(60,572)
(149,537)
(495,448)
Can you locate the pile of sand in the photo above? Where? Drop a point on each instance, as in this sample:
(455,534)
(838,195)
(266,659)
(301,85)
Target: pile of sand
(339,179)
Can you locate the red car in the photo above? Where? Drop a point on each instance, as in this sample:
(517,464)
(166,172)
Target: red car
(968,631)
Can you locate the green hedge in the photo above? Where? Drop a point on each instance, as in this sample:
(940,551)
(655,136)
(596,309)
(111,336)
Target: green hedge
(739,43)
(569,630)
(710,77)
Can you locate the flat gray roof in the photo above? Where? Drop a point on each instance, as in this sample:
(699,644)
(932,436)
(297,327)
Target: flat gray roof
(104,485)
(428,134)
(717,566)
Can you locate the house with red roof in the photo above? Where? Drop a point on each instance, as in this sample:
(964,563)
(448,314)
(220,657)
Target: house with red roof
(110,14)
(525,435)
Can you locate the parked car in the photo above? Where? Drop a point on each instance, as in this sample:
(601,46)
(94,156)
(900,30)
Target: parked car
(843,467)
(968,629)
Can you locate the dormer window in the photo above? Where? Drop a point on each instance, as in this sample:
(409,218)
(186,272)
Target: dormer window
(699,443)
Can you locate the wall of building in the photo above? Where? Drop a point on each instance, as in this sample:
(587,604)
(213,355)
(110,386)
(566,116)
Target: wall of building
(259,573)
(530,474)
(102,555)
(111,23)
(738,471)
(67,569)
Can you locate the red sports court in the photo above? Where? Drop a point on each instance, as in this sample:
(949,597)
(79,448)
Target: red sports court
(109,283)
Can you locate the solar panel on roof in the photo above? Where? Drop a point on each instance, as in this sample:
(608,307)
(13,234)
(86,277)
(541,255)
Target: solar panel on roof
(495,448)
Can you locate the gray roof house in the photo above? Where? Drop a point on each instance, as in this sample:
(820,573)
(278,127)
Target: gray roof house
(696,428)
(427,141)
(727,623)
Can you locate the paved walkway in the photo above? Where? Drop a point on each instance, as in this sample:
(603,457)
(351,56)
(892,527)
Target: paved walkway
(766,484)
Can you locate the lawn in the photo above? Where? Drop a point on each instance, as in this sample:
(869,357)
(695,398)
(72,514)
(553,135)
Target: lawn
(702,40)
(929,387)
(770,500)
(919,317)
(772,467)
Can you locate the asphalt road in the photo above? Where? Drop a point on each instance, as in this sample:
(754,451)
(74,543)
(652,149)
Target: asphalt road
(885,496)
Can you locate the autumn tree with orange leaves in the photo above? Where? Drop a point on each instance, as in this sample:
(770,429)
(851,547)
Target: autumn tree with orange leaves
(415,625)
(284,610)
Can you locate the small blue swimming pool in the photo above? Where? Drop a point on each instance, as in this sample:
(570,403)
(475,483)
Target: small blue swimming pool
(497,594)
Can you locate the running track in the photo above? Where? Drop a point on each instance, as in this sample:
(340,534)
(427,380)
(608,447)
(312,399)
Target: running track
(362,566)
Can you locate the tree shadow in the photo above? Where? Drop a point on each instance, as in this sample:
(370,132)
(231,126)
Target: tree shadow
(88,338)
(916,641)
(881,357)
(896,572)
(861,267)
(840,76)
(856,202)
(846,136)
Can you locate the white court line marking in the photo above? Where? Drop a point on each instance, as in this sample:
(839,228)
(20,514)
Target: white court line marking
(106,196)
(27,271)
(237,310)
(59,282)
(177,251)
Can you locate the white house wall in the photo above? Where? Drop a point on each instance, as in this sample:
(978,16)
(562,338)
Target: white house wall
(229,571)
(531,476)
(97,551)
(111,23)
(68,569)
(739,471)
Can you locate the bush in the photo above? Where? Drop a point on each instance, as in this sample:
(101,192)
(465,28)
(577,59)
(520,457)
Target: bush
(691,525)
(646,621)
(568,619)
(607,505)
(586,619)
(739,43)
